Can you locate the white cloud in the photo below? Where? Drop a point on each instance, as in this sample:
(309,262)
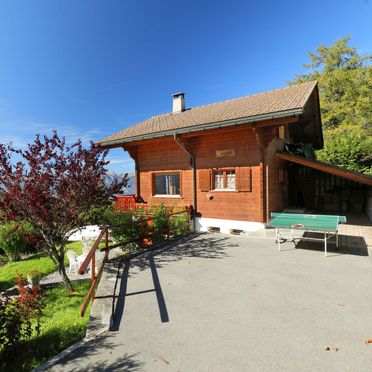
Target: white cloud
(120,162)
(79,100)
(23,131)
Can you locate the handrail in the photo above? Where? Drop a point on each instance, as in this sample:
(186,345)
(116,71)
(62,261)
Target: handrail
(91,253)
(91,257)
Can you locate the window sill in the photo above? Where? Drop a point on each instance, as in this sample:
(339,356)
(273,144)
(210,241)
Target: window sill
(224,190)
(167,196)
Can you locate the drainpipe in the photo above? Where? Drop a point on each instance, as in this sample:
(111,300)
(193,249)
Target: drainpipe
(193,167)
(264,170)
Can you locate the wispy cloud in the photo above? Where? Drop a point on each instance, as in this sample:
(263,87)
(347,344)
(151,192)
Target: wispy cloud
(24,131)
(16,141)
(4,106)
(120,163)
(79,100)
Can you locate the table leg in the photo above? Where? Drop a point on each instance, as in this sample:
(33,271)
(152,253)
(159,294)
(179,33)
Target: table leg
(277,237)
(325,244)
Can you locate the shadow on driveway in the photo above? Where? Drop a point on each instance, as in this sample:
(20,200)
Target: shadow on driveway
(351,245)
(210,247)
(87,358)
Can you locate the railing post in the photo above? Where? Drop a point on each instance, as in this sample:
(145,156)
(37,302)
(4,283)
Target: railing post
(106,237)
(93,267)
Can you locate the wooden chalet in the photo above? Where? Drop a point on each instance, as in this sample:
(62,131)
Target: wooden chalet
(229,161)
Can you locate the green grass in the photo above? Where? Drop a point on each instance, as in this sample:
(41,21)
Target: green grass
(61,326)
(39,262)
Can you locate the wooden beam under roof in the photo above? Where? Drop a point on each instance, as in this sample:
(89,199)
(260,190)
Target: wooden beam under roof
(327,168)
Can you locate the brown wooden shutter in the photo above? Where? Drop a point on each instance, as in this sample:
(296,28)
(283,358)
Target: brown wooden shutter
(152,180)
(204,180)
(244,178)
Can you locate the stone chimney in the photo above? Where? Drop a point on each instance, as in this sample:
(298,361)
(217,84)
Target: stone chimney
(178,102)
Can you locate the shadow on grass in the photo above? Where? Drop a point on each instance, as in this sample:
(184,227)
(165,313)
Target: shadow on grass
(31,354)
(61,284)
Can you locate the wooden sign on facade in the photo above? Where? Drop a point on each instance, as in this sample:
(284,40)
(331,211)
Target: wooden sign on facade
(228,153)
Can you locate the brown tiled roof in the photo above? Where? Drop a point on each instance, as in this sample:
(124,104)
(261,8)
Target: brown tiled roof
(270,102)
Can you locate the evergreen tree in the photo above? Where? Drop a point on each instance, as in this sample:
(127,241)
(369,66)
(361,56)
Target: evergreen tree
(345,91)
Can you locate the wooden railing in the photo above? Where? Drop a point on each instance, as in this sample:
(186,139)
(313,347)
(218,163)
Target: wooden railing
(90,259)
(125,202)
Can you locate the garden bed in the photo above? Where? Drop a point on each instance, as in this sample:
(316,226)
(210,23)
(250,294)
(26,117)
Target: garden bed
(61,326)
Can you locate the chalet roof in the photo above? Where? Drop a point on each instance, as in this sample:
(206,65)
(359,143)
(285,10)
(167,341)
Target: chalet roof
(282,102)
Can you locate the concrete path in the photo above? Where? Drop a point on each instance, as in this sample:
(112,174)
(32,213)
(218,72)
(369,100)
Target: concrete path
(56,278)
(234,303)
(358,230)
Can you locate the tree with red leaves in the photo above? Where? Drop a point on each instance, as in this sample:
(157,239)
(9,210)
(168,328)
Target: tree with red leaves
(53,186)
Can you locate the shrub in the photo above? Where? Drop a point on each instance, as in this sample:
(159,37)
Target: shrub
(105,215)
(161,223)
(133,227)
(19,319)
(13,240)
(180,224)
(141,226)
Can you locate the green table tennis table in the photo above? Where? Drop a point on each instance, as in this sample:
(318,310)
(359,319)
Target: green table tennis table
(324,224)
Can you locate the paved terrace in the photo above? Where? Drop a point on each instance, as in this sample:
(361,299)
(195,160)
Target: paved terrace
(234,303)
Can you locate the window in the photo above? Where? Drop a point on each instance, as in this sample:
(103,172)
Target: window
(218,180)
(230,180)
(238,179)
(167,184)
(224,180)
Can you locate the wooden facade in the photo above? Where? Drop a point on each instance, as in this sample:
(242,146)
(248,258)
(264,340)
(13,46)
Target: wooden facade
(221,158)
(245,150)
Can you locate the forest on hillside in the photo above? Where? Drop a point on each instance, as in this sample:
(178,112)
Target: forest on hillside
(344,77)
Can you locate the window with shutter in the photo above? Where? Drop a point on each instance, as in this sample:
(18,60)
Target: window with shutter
(204,180)
(244,179)
(224,180)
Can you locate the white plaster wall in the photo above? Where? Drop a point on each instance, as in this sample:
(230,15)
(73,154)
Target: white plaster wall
(202,224)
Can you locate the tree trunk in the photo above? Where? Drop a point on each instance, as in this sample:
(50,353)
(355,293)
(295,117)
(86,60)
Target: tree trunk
(66,279)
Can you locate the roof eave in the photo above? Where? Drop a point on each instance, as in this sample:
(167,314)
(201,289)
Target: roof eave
(197,128)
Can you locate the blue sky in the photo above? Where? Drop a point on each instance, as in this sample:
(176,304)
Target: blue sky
(89,68)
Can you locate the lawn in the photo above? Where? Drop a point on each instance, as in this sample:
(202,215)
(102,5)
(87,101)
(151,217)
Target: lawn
(61,326)
(39,262)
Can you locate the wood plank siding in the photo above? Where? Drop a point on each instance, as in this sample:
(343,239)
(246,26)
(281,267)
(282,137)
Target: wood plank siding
(228,148)
(243,150)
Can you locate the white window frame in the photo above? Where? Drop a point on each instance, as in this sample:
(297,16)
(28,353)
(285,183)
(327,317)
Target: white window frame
(224,173)
(155,195)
